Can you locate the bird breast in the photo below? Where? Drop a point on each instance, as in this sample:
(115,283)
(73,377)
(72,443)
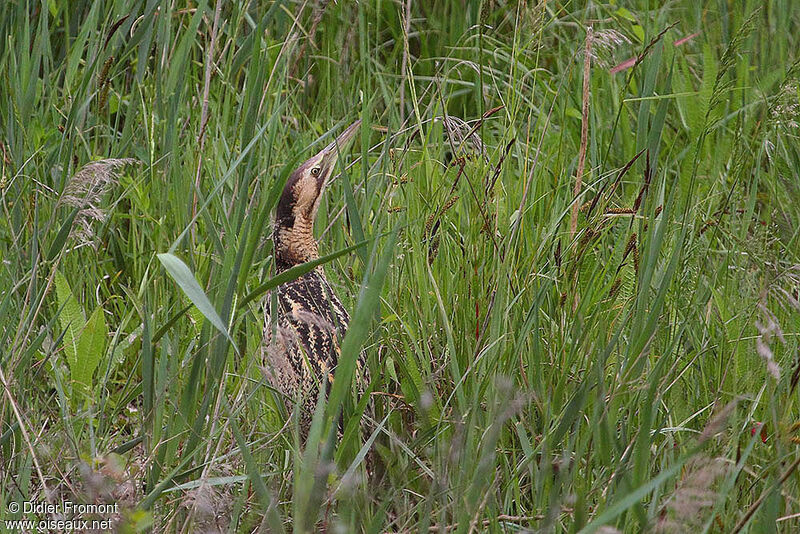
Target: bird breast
(311,322)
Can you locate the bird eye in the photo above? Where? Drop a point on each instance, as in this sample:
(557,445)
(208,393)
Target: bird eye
(315,171)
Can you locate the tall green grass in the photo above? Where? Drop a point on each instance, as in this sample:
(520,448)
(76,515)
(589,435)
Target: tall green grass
(638,375)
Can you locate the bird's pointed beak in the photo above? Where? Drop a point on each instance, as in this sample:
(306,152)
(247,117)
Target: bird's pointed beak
(330,154)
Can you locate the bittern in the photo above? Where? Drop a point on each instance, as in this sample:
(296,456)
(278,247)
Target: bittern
(311,320)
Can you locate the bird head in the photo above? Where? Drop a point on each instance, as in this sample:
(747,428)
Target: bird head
(299,202)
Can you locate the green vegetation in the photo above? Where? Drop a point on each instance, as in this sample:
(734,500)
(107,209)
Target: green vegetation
(637,371)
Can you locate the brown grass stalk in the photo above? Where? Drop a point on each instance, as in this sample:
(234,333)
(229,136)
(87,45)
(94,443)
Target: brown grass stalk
(587,66)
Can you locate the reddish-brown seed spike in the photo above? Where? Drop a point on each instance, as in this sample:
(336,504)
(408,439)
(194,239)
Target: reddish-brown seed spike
(103,83)
(659,209)
(638,201)
(101,77)
(113,29)
(429,224)
(617,180)
(477,320)
(433,251)
(557,255)
(492,111)
(102,98)
(620,211)
(615,287)
(631,245)
(449,204)
(648,176)
(588,234)
(490,185)
(707,225)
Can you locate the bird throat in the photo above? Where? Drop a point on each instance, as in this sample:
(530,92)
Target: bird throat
(294,244)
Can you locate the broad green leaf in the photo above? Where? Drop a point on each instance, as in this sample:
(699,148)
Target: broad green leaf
(91,349)
(638,31)
(71,317)
(624,13)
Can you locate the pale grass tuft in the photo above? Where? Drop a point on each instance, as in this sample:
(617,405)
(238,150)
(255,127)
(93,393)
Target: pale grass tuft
(782,291)
(314,319)
(209,508)
(86,190)
(277,348)
(786,111)
(687,506)
(717,423)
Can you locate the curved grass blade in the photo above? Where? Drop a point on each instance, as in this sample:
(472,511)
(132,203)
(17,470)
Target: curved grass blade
(187,282)
(296,272)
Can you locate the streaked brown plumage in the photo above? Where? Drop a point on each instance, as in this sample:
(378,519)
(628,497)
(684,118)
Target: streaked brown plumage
(311,321)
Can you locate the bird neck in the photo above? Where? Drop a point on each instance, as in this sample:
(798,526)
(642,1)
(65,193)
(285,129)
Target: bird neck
(294,243)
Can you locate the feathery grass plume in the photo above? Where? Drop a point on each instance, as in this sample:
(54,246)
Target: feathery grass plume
(717,422)
(463,137)
(85,191)
(209,508)
(688,505)
(782,290)
(686,508)
(275,352)
(767,325)
(314,319)
(785,107)
(111,480)
(605,43)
